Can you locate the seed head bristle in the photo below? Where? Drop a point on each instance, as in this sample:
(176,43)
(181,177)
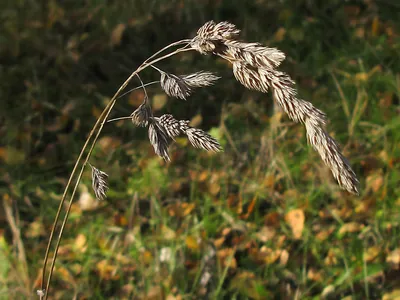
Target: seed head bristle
(181,86)
(99,183)
(254,54)
(174,86)
(200,79)
(159,139)
(221,30)
(197,137)
(201,139)
(170,125)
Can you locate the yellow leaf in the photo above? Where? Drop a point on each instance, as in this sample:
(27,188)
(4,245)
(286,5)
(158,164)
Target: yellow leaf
(393,295)
(375,181)
(167,233)
(284,257)
(147,257)
(187,208)
(191,243)
(35,229)
(350,227)
(214,188)
(375,26)
(394,259)
(196,120)
(295,218)
(266,234)
(159,101)
(80,243)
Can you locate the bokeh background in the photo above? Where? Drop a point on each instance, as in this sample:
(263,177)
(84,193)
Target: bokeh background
(262,220)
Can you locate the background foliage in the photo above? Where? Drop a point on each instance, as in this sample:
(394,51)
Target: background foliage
(262,220)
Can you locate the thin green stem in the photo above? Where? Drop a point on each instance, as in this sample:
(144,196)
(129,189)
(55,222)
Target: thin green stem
(104,115)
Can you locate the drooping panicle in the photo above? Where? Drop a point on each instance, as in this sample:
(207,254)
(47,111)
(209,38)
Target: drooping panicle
(159,139)
(254,66)
(141,116)
(99,183)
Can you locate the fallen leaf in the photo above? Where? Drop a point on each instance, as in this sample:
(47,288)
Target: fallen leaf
(159,101)
(328,291)
(35,229)
(350,228)
(375,181)
(393,259)
(196,120)
(393,295)
(295,218)
(116,34)
(284,257)
(266,233)
(167,233)
(192,243)
(80,243)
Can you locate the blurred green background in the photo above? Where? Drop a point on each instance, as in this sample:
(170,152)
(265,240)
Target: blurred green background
(262,220)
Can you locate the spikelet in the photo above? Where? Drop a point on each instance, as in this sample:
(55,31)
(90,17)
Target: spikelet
(159,139)
(99,183)
(141,116)
(197,137)
(201,139)
(212,35)
(250,77)
(174,86)
(221,30)
(170,125)
(254,54)
(200,79)
(181,86)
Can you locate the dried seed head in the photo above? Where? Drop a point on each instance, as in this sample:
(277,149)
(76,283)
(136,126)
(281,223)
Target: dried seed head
(197,137)
(212,34)
(170,125)
(254,67)
(159,139)
(174,86)
(142,115)
(181,86)
(330,153)
(254,54)
(215,31)
(250,77)
(99,183)
(201,139)
(200,79)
